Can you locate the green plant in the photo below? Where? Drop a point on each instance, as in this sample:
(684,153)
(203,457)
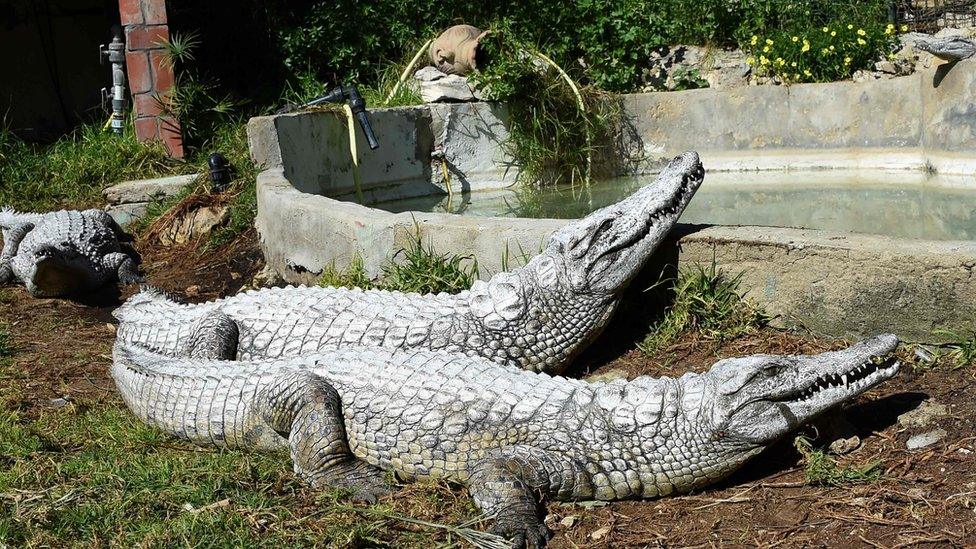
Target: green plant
(554,134)
(6,341)
(418,268)
(822,470)
(353,276)
(962,352)
(194,100)
(73,171)
(706,303)
(414,268)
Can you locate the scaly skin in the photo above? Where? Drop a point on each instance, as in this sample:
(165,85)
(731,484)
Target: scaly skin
(64,252)
(537,317)
(951,48)
(509,435)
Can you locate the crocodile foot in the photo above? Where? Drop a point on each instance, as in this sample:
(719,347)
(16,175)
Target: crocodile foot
(6,274)
(363,482)
(525,530)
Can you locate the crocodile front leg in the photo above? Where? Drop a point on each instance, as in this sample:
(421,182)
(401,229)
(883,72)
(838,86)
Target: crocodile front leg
(508,487)
(307,410)
(125,267)
(10,246)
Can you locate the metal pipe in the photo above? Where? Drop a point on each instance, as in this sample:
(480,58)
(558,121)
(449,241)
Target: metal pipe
(114,53)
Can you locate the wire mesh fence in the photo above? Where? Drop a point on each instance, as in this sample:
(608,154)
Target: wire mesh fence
(932,15)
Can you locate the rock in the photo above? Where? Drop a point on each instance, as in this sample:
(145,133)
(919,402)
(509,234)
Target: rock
(597,535)
(126,214)
(845,445)
(265,278)
(569,521)
(687,67)
(925,439)
(923,416)
(147,190)
(437,87)
(924,355)
(194,225)
(59,402)
(193,291)
(865,76)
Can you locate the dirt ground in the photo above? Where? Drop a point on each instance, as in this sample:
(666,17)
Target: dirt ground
(925,497)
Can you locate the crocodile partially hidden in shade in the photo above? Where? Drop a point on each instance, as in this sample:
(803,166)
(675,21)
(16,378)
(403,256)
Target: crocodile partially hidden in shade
(509,435)
(64,252)
(536,317)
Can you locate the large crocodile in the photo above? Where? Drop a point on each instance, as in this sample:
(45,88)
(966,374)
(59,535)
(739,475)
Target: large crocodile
(64,252)
(536,317)
(509,435)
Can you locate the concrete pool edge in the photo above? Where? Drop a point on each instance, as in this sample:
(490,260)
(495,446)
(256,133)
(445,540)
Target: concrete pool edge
(830,284)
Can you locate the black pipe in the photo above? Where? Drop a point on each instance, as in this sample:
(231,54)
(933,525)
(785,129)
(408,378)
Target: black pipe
(356,104)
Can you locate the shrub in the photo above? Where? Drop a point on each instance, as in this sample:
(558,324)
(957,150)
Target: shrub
(830,53)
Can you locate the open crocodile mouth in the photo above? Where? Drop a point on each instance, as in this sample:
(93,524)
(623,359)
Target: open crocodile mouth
(854,381)
(675,205)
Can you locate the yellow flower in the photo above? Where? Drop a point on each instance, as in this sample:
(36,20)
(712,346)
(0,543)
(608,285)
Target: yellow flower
(763,60)
(826,29)
(861,32)
(796,38)
(850,27)
(769,42)
(797,76)
(833,33)
(904,28)
(780,61)
(751,60)
(806,46)
(807,73)
(754,40)
(793,64)
(861,41)
(766,49)
(824,51)
(847,60)
(831,48)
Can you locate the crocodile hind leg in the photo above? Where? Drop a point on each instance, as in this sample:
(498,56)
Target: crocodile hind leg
(11,243)
(306,409)
(508,486)
(215,337)
(125,266)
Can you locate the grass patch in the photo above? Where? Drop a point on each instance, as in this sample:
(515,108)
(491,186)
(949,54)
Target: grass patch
(822,470)
(415,268)
(353,276)
(7,348)
(91,474)
(73,171)
(962,353)
(707,303)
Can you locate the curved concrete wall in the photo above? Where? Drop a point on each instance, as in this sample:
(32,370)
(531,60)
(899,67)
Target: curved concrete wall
(833,284)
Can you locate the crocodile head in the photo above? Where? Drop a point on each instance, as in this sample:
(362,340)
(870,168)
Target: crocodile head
(603,251)
(753,401)
(57,270)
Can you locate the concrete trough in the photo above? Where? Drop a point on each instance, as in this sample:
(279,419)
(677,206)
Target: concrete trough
(833,284)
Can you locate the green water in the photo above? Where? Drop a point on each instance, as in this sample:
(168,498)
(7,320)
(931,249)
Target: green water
(901,204)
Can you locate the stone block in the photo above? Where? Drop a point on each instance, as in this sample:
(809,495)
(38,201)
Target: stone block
(147,190)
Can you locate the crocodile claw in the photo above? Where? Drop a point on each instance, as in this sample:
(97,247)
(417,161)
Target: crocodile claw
(524,532)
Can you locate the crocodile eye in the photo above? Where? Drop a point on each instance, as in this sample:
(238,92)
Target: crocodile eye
(772,371)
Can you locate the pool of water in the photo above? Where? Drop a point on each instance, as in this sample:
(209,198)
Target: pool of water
(901,204)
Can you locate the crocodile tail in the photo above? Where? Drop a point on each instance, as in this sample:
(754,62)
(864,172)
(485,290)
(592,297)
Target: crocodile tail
(9,217)
(148,300)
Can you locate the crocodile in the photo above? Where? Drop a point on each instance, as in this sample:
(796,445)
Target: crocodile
(350,415)
(537,317)
(64,252)
(948,48)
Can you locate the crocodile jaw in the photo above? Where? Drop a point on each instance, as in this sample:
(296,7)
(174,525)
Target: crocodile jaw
(762,398)
(603,251)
